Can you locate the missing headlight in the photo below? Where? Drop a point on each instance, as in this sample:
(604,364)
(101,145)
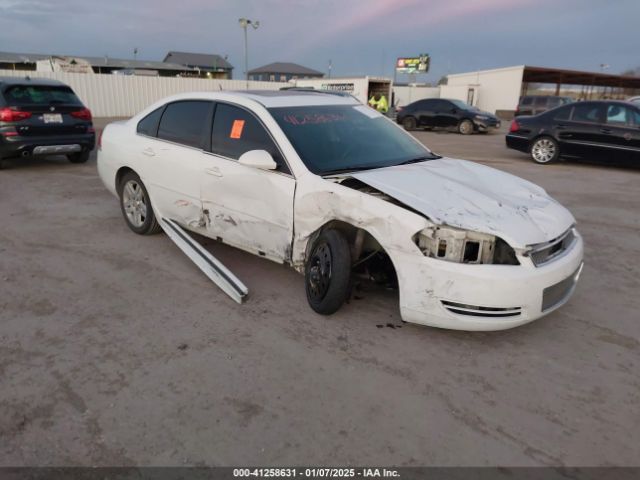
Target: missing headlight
(462,246)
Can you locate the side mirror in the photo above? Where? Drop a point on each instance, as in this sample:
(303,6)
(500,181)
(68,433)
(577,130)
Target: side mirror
(258,159)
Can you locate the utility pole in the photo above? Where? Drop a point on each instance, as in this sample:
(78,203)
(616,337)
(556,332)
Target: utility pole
(244,23)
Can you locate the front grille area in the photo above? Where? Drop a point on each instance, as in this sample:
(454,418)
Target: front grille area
(557,294)
(542,254)
(477,311)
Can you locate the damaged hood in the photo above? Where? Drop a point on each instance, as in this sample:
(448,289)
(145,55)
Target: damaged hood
(474,197)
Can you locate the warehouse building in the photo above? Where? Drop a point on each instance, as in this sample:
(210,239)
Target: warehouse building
(283,72)
(207,65)
(499,90)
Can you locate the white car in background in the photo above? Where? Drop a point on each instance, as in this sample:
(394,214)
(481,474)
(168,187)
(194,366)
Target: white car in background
(333,188)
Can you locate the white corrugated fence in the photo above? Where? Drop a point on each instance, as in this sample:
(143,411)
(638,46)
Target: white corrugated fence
(125,95)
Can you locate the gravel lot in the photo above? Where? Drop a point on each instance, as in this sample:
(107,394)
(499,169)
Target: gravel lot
(116,350)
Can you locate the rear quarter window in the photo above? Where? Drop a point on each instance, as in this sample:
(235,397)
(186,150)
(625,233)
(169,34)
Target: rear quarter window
(36,95)
(149,124)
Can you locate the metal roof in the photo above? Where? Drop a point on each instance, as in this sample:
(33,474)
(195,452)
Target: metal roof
(532,74)
(106,61)
(575,77)
(286,68)
(202,60)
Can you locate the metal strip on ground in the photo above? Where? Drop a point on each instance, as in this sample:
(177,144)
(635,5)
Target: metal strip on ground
(210,266)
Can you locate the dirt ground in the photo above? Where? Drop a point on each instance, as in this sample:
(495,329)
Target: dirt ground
(116,350)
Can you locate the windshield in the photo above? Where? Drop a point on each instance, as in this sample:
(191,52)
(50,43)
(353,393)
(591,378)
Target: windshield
(339,138)
(40,95)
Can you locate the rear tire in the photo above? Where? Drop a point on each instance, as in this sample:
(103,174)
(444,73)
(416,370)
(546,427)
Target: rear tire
(136,205)
(80,157)
(328,272)
(465,127)
(409,123)
(544,150)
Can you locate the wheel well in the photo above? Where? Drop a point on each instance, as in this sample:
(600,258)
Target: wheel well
(119,174)
(366,251)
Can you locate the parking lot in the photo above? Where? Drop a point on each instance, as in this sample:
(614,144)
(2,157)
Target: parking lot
(116,350)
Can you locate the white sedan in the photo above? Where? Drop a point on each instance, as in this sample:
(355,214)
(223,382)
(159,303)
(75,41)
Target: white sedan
(334,189)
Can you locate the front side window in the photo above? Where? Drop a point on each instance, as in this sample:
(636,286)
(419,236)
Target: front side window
(335,138)
(237,131)
(587,112)
(618,115)
(185,122)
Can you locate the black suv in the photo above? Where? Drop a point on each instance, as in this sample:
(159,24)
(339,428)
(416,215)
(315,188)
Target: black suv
(535,104)
(43,117)
(441,112)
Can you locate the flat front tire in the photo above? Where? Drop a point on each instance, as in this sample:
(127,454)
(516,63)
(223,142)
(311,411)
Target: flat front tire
(545,150)
(328,272)
(136,205)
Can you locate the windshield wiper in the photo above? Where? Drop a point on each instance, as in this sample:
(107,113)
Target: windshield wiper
(423,158)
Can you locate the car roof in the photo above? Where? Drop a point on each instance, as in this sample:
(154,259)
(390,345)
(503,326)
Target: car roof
(271,98)
(295,98)
(27,80)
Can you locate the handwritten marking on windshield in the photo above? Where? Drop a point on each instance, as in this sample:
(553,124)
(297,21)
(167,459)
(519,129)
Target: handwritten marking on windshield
(313,118)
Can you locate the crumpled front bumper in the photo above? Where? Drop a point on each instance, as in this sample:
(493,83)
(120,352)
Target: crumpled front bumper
(484,297)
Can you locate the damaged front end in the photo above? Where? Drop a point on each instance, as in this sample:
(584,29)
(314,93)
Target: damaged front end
(464,246)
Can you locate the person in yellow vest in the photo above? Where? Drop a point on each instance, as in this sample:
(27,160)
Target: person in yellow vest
(379,102)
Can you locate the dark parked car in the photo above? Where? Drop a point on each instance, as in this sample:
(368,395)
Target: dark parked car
(600,129)
(535,104)
(43,117)
(441,112)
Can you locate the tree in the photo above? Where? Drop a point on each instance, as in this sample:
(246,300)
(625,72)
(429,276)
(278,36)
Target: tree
(443,80)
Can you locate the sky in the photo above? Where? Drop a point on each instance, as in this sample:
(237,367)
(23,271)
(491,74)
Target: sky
(358,36)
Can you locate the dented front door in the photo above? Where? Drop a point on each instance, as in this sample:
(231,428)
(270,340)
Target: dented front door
(247,207)
(250,209)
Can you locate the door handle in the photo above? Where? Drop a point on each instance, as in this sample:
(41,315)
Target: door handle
(605,130)
(148,152)
(215,171)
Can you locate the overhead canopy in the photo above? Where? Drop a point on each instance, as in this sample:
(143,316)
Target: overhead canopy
(574,77)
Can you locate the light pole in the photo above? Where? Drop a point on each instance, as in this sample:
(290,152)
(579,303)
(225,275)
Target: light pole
(244,23)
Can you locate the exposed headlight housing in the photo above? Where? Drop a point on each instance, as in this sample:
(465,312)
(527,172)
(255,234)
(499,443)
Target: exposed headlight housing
(463,246)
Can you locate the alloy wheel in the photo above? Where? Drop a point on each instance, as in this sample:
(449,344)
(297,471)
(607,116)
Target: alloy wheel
(543,150)
(134,203)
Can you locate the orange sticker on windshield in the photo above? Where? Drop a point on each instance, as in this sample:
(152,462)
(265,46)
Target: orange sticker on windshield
(236,129)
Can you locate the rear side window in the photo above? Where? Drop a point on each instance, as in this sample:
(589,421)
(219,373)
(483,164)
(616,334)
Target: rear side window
(562,113)
(149,124)
(185,122)
(587,112)
(40,95)
(526,101)
(554,102)
(541,101)
(236,131)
